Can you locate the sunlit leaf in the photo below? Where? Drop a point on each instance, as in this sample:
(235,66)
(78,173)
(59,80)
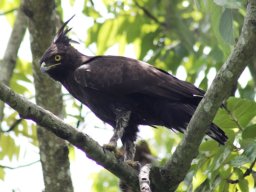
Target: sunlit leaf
(240,160)
(219,158)
(244,110)
(72,2)
(249,154)
(104,180)
(240,113)
(9,148)
(2,174)
(243,185)
(216,12)
(205,186)
(231,4)
(226,26)
(91,12)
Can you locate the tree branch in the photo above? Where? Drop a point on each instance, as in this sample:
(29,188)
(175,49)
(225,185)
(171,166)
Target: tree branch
(177,167)
(10,56)
(93,150)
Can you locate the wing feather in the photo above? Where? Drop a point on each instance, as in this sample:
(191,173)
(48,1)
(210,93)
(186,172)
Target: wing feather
(121,76)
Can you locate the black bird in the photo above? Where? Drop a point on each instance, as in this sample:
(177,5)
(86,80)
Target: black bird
(123,92)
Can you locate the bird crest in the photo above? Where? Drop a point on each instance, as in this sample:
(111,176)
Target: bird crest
(61,36)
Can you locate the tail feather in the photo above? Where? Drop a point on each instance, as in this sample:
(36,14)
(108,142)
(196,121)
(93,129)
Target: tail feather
(217,134)
(177,116)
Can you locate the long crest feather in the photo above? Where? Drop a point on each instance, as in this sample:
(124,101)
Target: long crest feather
(61,36)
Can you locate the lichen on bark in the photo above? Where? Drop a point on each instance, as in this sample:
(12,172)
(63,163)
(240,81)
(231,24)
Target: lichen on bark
(53,150)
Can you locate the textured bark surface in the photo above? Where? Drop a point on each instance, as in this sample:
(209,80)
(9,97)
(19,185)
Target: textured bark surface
(10,56)
(53,150)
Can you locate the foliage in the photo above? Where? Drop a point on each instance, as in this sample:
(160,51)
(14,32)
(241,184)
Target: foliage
(179,36)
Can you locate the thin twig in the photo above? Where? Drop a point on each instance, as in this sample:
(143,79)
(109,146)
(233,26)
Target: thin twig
(92,3)
(13,126)
(149,14)
(80,116)
(20,166)
(7,12)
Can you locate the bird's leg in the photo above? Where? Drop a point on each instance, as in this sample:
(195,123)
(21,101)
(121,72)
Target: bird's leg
(129,153)
(129,148)
(122,120)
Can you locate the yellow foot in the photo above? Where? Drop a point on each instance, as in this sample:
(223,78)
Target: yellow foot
(134,164)
(110,147)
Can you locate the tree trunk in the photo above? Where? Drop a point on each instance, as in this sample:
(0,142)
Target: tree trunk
(53,150)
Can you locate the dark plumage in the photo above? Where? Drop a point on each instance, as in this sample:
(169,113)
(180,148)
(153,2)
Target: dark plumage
(124,92)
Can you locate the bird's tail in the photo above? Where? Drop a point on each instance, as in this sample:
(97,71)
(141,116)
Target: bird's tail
(217,134)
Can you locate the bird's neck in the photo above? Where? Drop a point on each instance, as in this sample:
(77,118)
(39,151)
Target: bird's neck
(85,58)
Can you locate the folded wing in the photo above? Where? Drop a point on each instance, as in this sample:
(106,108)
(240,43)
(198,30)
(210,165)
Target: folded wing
(122,76)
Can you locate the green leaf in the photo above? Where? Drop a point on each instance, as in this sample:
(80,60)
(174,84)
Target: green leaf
(108,34)
(72,2)
(226,26)
(231,4)
(215,13)
(225,171)
(219,158)
(249,146)
(243,185)
(242,111)
(203,187)
(91,12)
(92,34)
(2,174)
(210,147)
(238,161)
(238,174)
(249,154)
(223,186)
(8,147)
(249,132)
(2,2)
(104,180)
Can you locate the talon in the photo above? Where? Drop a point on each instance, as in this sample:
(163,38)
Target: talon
(134,164)
(119,154)
(110,146)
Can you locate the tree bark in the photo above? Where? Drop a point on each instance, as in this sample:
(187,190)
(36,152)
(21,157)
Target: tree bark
(10,56)
(53,150)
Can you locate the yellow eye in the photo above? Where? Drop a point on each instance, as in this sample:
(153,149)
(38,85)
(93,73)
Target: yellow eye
(57,58)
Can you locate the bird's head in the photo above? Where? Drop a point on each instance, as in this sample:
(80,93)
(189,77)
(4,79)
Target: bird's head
(60,57)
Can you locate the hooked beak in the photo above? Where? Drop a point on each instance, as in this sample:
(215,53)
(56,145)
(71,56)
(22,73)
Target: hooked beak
(45,68)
